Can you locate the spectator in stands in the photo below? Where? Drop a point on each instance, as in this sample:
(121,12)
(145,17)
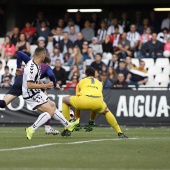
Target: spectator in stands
(122,68)
(88,58)
(154,21)
(138,19)
(40,17)
(111,28)
(71,23)
(79,19)
(94,22)
(67,55)
(114,38)
(7,73)
(97,48)
(56,55)
(166,52)
(145,37)
(8,49)
(138,75)
(74,72)
(72,34)
(14,35)
(6,83)
(60,24)
(120,82)
(105,81)
(29,31)
(107,45)
(129,64)
(76,58)
(66,18)
(65,43)
(23,45)
(163,35)
(134,37)
(58,36)
(72,84)
(124,47)
(112,75)
(43,30)
(50,46)
(41,43)
(109,18)
(97,75)
(114,62)
(87,31)
(98,63)
(152,48)
(166,22)
(79,41)
(124,21)
(142,28)
(60,73)
(102,32)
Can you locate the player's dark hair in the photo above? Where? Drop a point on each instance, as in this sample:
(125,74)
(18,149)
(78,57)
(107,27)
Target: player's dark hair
(90,71)
(47,60)
(39,51)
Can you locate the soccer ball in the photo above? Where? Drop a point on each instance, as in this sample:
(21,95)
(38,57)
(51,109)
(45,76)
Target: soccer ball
(71,115)
(166,53)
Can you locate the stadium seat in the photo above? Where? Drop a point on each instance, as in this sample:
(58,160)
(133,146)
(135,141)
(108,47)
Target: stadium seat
(1,40)
(12,64)
(106,61)
(149,62)
(150,80)
(162,78)
(32,49)
(162,62)
(166,70)
(135,61)
(154,70)
(67,68)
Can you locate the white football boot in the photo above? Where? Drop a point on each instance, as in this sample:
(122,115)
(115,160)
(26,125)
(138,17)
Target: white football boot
(50,130)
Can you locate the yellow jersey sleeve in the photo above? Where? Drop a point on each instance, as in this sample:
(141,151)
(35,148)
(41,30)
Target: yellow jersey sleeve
(90,86)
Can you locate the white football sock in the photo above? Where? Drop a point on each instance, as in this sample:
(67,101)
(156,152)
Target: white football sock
(44,117)
(59,116)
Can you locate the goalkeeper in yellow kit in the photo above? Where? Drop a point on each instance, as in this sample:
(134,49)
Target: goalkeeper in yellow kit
(89,96)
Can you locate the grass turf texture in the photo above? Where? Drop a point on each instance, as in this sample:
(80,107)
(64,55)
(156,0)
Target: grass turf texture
(149,149)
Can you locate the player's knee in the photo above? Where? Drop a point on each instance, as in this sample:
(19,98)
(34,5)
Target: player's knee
(66,99)
(105,111)
(2,104)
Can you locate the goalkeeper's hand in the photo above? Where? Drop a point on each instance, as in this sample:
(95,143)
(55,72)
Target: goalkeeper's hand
(78,127)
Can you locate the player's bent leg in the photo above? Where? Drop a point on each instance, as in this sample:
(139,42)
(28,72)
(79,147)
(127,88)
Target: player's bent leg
(48,128)
(44,117)
(113,122)
(7,99)
(65,107)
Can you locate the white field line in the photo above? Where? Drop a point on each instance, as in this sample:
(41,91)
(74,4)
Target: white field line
(51,144)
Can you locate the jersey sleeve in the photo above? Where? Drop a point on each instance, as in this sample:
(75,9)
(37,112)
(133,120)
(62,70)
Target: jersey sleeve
(22,57)
(51,75)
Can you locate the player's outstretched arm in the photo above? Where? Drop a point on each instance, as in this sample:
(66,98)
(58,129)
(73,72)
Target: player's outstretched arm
(22,57)
(51,76)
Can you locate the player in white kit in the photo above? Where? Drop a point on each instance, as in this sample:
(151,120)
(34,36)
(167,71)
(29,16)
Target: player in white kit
(32,91)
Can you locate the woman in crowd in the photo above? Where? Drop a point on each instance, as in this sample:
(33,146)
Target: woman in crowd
(8,49)
(76,58)
(23,45)
(112,75)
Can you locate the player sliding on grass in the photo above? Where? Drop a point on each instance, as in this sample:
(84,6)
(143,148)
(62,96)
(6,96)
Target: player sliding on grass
(34,96)
(16,89)
(89,96)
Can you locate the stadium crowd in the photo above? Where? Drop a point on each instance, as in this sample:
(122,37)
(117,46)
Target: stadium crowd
(75,43)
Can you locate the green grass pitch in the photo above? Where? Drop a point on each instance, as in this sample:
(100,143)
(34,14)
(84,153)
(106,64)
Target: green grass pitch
(145,149)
